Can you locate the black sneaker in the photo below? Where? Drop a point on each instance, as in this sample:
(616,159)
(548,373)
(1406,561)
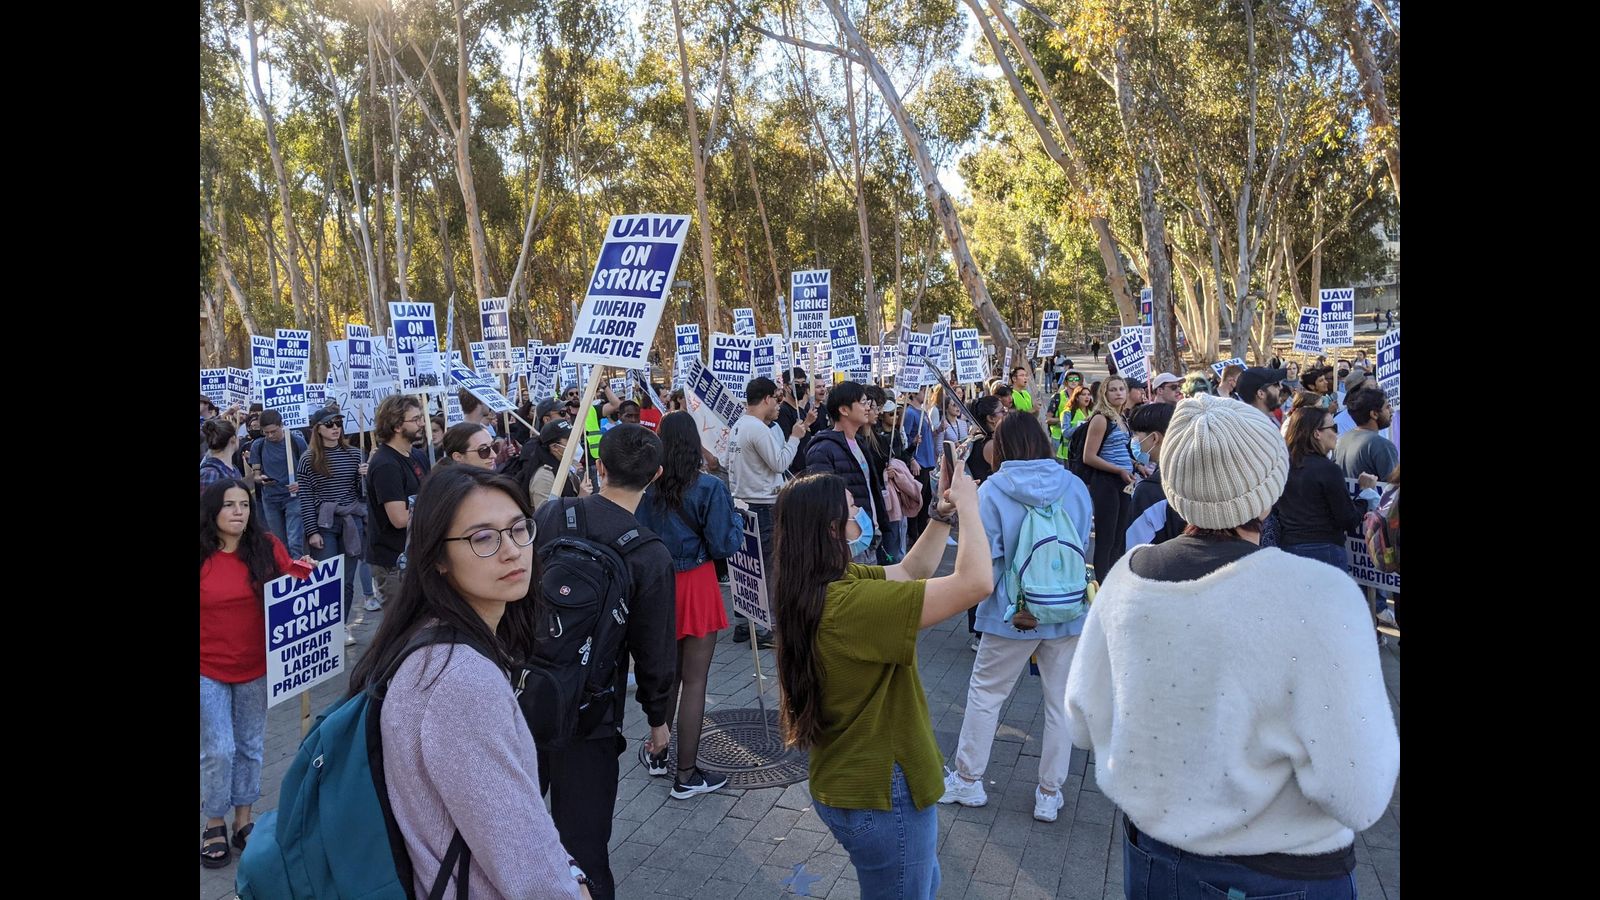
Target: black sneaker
(741,634)
(657,765)
(698,784)
(764,640)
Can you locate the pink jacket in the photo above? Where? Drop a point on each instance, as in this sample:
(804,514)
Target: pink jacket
(901,492)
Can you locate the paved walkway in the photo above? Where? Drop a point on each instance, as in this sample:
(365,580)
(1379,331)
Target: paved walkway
(743,844)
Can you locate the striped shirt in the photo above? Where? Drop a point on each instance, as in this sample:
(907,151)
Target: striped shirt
(1113,449)
(340,485)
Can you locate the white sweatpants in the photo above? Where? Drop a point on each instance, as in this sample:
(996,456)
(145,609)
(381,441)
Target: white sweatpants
(994,675)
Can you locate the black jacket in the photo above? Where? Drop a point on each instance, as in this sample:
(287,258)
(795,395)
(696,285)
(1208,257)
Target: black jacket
(829,453)
(1316,507)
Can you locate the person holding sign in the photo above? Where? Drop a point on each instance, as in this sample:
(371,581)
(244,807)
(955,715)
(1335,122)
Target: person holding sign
(237,558)
(546,453)
(694,515)
(458,755)
(331,504)
(1244,759)
(1107,454)
(849,691)
(1315,511)
(758,456)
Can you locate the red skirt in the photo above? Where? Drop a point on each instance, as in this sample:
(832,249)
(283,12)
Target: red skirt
(700,609)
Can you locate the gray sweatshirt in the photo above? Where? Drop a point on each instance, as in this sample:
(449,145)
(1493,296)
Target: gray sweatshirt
(759,456)
(458,755)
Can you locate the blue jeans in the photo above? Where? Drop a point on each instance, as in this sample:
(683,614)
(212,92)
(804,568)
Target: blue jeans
(895,852)
(233,738)
(330,549)
(282,513)
(1336,555)
(894,541)
(1152,870)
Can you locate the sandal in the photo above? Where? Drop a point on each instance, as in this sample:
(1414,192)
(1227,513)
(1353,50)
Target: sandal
(240,835)
(210,840)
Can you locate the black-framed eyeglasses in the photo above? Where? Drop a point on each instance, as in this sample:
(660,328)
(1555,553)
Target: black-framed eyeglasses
(485,542)
(1329,428)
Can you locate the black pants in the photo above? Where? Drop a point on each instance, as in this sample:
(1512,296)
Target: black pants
(918,523)
(580,783)
(1111,507)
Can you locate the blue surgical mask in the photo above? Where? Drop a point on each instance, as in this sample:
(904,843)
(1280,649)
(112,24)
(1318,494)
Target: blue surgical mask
(1139,454)
(860,544)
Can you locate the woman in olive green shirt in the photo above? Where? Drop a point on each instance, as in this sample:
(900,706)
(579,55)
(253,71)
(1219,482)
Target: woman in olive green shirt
(847,671)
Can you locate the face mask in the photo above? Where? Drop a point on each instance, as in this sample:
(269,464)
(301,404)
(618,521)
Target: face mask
(1139,455)
(860,544)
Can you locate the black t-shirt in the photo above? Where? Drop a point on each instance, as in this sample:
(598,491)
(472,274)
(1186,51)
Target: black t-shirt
(1188,557)
(390,477)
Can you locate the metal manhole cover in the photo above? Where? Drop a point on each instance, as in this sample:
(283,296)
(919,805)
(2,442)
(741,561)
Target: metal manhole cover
(737,744)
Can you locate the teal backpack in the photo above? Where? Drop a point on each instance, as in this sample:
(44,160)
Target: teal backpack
(1045,575)
(334,833)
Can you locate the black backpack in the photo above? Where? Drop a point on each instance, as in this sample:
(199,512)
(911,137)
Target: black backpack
(1075,444)
(566,688)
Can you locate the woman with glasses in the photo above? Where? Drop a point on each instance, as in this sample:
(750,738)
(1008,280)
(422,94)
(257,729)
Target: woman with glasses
(695,517)
(238,556)
(1316,512)
(468,443)
(459,758)
(332,480)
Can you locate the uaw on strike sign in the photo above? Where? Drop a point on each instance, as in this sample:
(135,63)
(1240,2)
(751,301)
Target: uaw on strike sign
(628,291)
(305,630)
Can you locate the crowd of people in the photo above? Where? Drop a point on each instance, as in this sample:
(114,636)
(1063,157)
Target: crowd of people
(1077,508)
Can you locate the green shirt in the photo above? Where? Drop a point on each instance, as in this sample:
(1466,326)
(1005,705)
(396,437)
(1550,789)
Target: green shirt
(1021,399)
(874,713)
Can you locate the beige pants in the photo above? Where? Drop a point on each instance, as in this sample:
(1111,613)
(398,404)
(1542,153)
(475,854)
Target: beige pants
(994,675)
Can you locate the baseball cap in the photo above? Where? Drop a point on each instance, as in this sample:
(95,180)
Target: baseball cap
(546,407)
(554,431)
(1254,379)
(1164,378)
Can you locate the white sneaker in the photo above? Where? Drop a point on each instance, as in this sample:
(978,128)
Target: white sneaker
(1046,805)
(373,604)
(959,790)
(1387,618)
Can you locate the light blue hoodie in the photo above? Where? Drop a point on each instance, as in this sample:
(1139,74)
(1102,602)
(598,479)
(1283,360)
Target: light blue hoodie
(1020,483)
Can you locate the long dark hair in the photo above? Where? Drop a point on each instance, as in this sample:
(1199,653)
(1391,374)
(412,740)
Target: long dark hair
(425,593)
(680,460)
(255,547)
(1301,435)
(809,551)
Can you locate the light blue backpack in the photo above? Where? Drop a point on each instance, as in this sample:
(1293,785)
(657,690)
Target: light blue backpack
(1046,575)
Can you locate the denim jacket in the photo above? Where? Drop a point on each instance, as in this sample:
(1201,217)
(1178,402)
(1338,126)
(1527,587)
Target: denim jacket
(709,509)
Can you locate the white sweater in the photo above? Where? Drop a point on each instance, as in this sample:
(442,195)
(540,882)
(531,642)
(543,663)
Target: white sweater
(1240,713)
(758,455)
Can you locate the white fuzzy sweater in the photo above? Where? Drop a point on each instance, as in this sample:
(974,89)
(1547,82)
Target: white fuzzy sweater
(1240,713)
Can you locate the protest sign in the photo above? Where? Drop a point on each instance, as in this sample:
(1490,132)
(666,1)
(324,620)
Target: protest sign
(1048,330)
(1338,311)
(888,363)
(384,381)
(688,341)
(480,386)
(619,388)
(748,577)
(495,317)
(293,350)
(744,321)
(214,384)
(287,395)
(968,353)
(731,359)
(1217,367)
(305,630)
(415,330)
(939,349)
(1308,336)
(809,292)
(844,343)
(628,290)
(264,354)
(1361,566)
(764,360)
(238,386)
(714,411)
(903,334)
(480,356)
(317,398)
(865,365)
(1005,367)
(1033,348)
(643,379)
(912,367)
(1128,353)
(780,354)
(1389,368)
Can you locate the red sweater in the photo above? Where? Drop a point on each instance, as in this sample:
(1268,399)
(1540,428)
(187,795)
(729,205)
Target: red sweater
(233,617)
(650,418)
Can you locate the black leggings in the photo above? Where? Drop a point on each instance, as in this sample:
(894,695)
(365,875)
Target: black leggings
(689,697)
(1111,507)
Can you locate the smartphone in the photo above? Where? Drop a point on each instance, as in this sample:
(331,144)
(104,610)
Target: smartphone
(950,459)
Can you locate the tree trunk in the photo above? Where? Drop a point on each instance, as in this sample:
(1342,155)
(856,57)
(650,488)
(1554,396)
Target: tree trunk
(380,252)
(1372,91)
(938,199)
(1158,270)
(702,208)
(479,241)
(766,232)
(1315,293)
(1070,160)
(873,327)
(402,249)
(298,292)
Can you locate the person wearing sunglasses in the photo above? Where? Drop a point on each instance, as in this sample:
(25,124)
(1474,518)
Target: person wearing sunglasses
(332,505)
(453,733)
(469,443)
(1316,512)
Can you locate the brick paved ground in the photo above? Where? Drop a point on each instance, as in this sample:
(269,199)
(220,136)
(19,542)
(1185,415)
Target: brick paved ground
(742,844)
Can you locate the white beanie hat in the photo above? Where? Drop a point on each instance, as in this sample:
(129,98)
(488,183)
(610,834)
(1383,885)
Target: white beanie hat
(1223,463)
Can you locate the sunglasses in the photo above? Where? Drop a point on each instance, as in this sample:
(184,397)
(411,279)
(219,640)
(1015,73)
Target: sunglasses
(332,423)
(484,452)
